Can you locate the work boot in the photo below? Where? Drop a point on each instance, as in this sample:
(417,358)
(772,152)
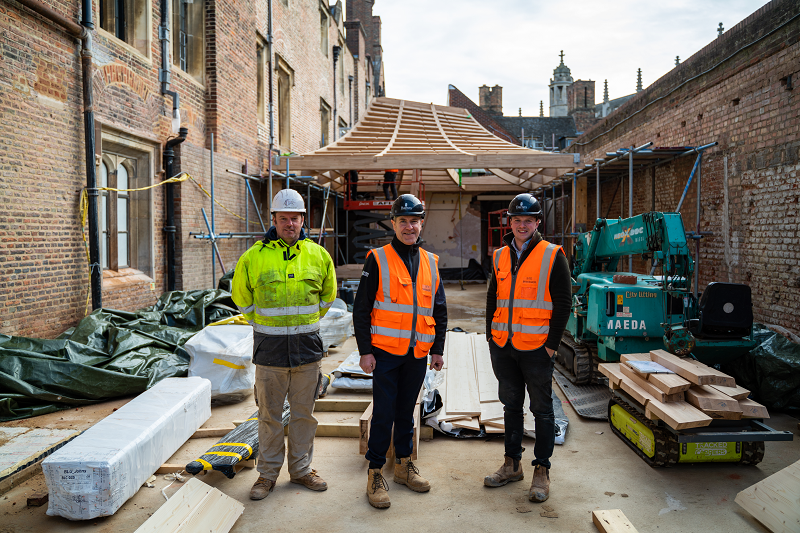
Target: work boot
(510,471)
(311,481)
(261,489)
(540,486)
(377,489)
(407,474)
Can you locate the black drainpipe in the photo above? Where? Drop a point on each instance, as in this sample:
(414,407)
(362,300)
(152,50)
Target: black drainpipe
(169,228)
(165,77)
(336,50)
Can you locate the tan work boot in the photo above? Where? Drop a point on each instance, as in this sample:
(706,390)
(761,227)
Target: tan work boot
(377,489)
(261,489)
(407,474)
(510,471)
(540,486)
(311,481)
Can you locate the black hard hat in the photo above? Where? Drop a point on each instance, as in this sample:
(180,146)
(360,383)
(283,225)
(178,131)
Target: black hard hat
(525,204)
(408,205)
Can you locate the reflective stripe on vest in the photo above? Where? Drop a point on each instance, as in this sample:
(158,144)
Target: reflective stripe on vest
(387,329)
(285,330)
(523,317)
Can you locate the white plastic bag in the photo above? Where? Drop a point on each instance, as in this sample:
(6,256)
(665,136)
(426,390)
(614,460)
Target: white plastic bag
(224,355)
(336,325)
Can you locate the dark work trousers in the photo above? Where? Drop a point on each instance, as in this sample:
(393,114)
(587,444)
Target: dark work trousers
(396,382)
(515,370)
(389,189)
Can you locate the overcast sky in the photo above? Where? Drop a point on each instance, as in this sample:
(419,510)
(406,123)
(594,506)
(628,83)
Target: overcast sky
(429,44)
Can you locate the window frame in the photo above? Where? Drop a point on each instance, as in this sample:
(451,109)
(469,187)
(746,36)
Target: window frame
(325,110)
(143,23)
(179,47)
(284,74)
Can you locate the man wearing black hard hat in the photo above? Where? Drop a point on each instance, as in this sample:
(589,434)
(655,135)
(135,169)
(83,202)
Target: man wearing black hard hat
(399,317)
(527,307)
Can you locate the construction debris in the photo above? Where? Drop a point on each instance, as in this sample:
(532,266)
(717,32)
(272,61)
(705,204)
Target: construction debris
(98,471)
(612,521)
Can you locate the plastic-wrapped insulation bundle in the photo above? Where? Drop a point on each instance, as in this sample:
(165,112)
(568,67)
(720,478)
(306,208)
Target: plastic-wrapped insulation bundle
(239,445)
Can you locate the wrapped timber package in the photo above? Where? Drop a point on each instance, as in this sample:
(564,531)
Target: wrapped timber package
(336,325)
(224,356)
(98,471)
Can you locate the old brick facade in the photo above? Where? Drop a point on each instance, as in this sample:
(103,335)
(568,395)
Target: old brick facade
(44,273)
(740,92)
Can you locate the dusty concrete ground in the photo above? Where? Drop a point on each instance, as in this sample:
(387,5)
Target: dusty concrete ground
(592,470)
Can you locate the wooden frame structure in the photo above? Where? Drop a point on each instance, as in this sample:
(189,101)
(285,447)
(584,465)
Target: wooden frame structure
(433,141)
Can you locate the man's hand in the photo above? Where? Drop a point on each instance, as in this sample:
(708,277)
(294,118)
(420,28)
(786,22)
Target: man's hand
(367,363)
(437,361)
(549,352)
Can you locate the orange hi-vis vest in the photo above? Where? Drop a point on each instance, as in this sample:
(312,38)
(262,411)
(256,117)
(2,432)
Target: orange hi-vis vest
(401,304)
(524,305)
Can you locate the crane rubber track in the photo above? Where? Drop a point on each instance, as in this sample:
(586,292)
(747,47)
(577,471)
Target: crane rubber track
(667,448)
(585,361)
(365,233)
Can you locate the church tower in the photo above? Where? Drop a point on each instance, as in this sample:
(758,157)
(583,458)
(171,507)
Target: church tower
(561,81)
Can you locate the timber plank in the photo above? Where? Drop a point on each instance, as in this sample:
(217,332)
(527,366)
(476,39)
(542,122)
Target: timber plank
(696,372)
(344,405)
(612,372)
(752,409)
(487,381)
(363,424)
(624,358)
(462,385)
(669,383)
(204,433)
(679,415)
(773,501)
(470,423)
(195,507)
(612,521)
(709,398)
(491,411)
(657,393)
(638,393)
(737,392)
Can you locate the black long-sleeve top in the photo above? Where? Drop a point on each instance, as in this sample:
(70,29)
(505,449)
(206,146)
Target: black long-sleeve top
(560,291)
(368,288)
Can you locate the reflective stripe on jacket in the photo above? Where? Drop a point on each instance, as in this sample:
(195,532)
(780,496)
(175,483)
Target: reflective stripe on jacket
(284,290)
(524,305)
(401,303)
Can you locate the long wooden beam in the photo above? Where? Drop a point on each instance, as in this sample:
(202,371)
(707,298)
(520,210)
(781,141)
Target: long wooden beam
(428,161)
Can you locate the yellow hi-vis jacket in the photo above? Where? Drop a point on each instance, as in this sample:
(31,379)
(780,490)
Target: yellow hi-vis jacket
(284,290)
(524,305)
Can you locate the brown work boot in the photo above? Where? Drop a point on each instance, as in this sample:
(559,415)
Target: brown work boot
(407,474)
(510,471)
(540,486)
(377,489)
(311,481)
(261,489)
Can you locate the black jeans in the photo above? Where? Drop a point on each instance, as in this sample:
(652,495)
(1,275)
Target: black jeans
(396,382)
(514,371)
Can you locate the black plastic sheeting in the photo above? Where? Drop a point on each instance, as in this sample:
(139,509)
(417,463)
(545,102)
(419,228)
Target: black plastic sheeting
(771,372)
(109,354)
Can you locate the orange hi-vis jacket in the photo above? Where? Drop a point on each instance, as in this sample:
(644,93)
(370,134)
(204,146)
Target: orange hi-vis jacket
(401,304)
(524,306)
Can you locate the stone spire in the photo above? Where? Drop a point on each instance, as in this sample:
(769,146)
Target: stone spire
(677,60)
(720,29)
(605,91)
(520,111)
(541,108)
(639,80)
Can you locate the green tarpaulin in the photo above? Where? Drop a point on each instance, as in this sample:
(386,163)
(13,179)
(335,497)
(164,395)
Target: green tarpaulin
(108,354)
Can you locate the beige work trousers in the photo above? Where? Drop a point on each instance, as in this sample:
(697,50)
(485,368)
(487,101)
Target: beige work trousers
(272,386)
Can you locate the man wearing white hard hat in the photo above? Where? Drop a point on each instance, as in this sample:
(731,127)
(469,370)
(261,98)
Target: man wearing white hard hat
(283,285)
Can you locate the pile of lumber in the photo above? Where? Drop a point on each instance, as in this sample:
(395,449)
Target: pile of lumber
(692,396)
(469,392)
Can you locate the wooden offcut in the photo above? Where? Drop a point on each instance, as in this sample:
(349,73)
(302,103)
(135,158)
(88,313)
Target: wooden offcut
(709,398)
(195,508)
(612,521)
(774,501)
(753,409)
(737,392)
(697,373)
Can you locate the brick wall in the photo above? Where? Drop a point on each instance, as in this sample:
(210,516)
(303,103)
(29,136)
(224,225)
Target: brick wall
(43,266)
(750,185)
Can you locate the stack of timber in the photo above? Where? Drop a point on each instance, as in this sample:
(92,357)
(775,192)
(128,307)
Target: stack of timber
(469,391)
(691,396)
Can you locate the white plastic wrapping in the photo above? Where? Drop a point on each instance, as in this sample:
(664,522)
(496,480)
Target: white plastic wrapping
(348,375)
(224,356)
(98,471)
(336,325)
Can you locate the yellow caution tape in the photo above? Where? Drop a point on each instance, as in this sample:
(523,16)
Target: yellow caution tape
(238,320)
(240,444)
(249,419)
(227,454)
(227,363)
(206,464)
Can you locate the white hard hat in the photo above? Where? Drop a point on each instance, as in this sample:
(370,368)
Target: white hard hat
(288,200)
